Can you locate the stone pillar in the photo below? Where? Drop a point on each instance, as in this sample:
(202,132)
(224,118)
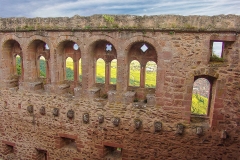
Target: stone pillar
(76,71)
(87,71)
(142,76)
(122,72)
(107,74)
(216,104)
(48,78)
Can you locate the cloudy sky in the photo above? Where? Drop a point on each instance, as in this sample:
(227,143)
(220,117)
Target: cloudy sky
(69,8)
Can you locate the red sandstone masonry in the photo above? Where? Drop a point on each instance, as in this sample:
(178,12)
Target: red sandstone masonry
(179,45)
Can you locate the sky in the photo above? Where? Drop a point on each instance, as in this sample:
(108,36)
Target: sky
(69,8)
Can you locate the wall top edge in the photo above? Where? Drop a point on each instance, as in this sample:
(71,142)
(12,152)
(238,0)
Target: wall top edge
(116,22)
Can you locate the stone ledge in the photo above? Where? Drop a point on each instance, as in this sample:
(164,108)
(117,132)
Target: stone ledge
(122,22)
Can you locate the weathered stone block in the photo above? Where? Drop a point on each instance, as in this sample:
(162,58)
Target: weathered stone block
(111,96)
(85,118)
(116,121)
(70,114)
(94,92)
(151,100)
(129,97)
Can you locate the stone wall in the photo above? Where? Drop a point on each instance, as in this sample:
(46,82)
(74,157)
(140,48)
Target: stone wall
(98,22)
(148,129)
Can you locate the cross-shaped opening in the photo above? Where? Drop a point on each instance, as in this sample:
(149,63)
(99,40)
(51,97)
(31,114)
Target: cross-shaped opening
(108,47)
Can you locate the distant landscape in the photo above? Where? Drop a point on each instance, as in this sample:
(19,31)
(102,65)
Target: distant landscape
(199,102)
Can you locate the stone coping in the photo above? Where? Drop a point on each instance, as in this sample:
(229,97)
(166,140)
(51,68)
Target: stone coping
(123,22)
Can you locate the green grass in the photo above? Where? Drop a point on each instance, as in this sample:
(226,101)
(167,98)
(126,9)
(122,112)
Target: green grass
(215,58)
(18,65)
(150,74)
(69,69)
(100,71)
(134,73)
(150,81)
(42,66)
(199,104)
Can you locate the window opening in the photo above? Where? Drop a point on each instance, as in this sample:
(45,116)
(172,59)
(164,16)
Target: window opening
(9,149)
(113,72)
(150,74)
(108,47)
(42,154)
(75,47)
(18,65)
(217,49)
(200,96)
(134,73)
(100,71)
(144,48)
(80,70)
(42,67)
(46,47)
(69,69)
(69,143)
(113,152)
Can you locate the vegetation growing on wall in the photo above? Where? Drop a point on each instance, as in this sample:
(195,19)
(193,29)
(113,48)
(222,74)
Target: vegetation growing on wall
(215,58)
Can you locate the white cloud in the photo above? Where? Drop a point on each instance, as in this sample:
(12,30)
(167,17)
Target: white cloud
(62,8)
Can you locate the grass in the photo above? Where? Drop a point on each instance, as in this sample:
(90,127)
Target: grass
(199,104)
(215,58)
(150,74)
(150,81)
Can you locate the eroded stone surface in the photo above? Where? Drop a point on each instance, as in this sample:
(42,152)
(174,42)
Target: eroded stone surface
(181,48)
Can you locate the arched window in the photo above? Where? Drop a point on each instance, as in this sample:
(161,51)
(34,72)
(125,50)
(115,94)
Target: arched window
(100,71)
(18,65)
(69,69)
(150,74)
(80,70)
(113,72)
(201,96)
(134,73)
(42,67)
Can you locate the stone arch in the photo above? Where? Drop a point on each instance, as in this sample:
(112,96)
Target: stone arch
(10,47)
(44,39)
(127,45)
(69,70)
(97,48)
(36,49)
(207,72)
(113,72)
(11,37)
(100,37)
(202,88)
(150,74)
(143,51)
(99,76)
(134,67)
(64,49)
(62,39)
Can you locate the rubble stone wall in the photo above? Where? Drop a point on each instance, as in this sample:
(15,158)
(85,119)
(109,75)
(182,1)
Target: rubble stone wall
(182,55)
